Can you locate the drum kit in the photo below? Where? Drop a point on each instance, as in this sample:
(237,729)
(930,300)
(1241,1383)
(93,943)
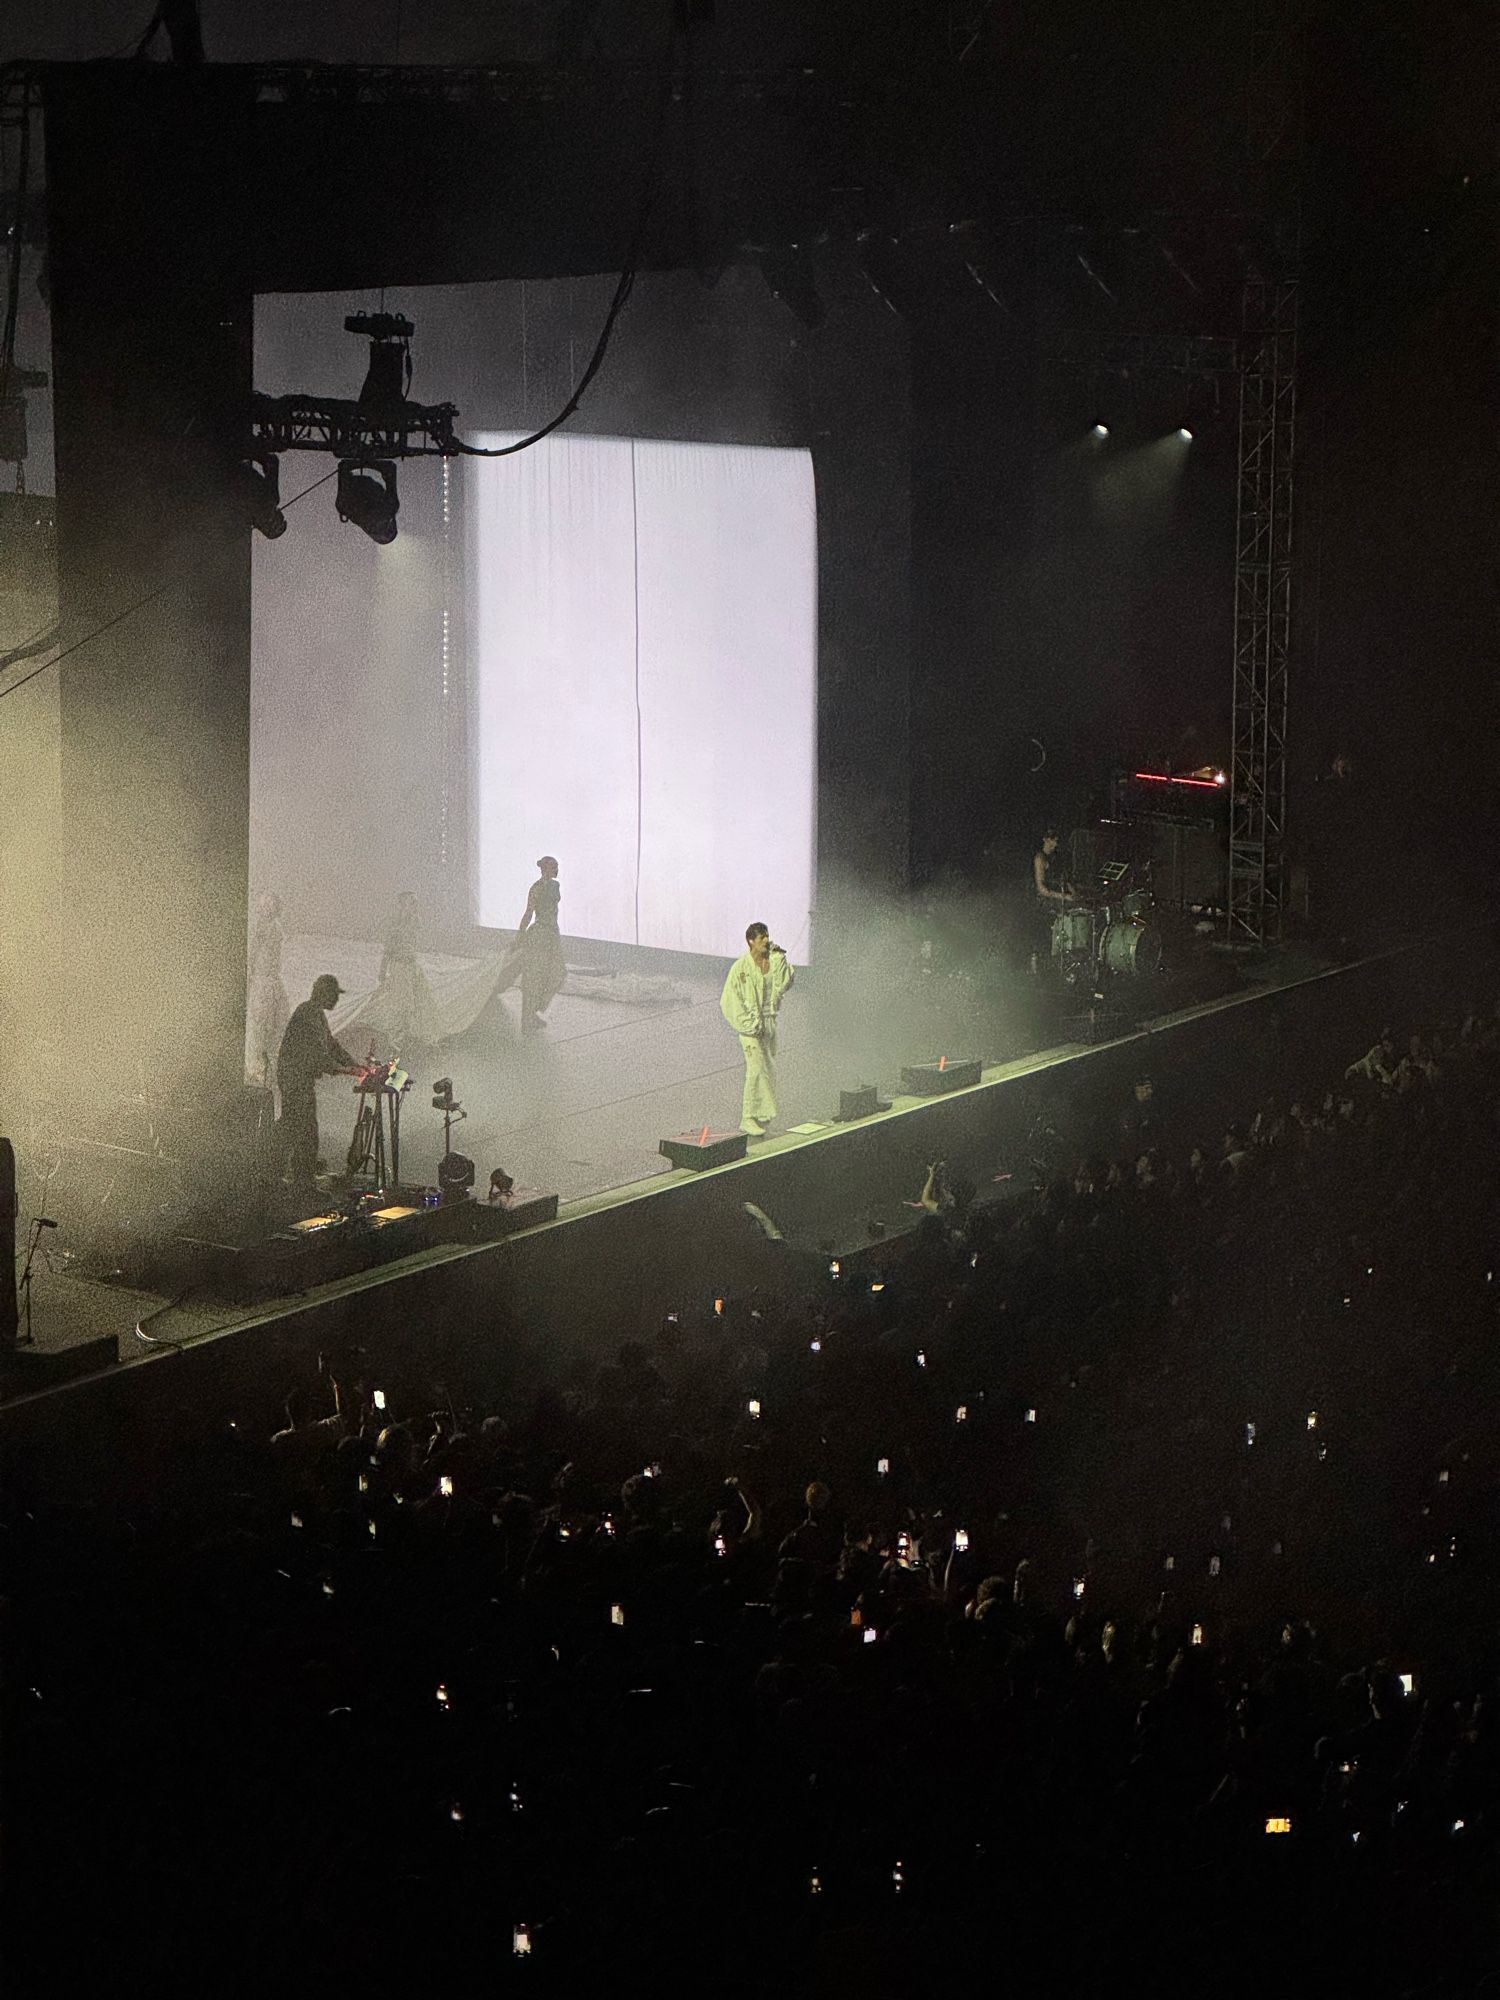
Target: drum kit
(1113,933)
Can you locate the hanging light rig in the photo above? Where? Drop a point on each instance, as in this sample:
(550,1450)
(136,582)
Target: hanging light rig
(367,434)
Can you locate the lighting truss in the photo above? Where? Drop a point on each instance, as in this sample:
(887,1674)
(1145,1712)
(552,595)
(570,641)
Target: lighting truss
(1262,609)
(341,426)
(526,83)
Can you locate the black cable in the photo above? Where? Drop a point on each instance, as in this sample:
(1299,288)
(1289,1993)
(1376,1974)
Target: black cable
(626,283)
(617,305)
(311,489)
(43,637)
(129,611)
(139,605)
(191,1339)
(146,1319)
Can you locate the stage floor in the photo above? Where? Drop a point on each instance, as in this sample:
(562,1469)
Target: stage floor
(580,1107)
(577,1107)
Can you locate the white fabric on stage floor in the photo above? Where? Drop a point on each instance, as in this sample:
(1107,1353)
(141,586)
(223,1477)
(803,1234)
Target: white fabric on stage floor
(460,986)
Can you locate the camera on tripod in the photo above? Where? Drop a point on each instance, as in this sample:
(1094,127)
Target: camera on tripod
(389,374)
(455,1172)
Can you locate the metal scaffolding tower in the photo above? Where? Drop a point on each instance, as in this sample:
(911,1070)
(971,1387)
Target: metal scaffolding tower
(1263,520)
(1262,609)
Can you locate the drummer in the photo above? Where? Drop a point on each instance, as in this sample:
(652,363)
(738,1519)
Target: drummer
(1047,875)
(1052,893)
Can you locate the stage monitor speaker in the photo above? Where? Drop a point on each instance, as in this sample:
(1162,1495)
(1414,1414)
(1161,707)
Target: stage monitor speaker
(488,1221)
(944,1073)
(861,1103)
(28,1370)
(697,1151)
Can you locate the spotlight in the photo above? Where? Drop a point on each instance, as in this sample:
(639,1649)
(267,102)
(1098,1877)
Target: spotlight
(367,497)
(1185,434)
(455,1176)
(501,1184)
(1100,431)
(260,495)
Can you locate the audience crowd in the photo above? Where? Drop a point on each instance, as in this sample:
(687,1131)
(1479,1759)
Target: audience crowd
(1099,1585)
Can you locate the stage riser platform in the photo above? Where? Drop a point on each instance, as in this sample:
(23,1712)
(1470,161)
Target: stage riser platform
(509,1315)
(294,1262)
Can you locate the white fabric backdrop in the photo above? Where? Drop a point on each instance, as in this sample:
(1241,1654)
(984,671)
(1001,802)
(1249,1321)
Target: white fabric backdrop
(552,556)
(664,594)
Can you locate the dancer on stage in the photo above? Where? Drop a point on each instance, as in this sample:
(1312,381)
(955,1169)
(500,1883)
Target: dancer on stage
(403,1009)
(267,1008)
(308,1051)
(753,992)
(536,954)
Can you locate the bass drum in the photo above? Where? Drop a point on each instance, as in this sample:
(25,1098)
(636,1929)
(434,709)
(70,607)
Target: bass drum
(1132,951)
(1072,933)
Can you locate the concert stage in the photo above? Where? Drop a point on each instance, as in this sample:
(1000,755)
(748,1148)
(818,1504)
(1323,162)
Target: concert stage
(617,1258)
(579,1109)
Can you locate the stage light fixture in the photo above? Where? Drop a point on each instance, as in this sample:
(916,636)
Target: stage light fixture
(260,492)
(367,496)
(1185,434)
(455,1176)
(1100,431)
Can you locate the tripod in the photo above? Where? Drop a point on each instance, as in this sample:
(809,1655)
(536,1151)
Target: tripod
(450,1113)
(443,1100)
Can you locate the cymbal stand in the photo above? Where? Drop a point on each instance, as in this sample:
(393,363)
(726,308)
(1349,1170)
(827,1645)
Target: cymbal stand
(33,1242)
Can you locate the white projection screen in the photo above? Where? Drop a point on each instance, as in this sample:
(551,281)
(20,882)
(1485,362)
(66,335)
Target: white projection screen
(643,646)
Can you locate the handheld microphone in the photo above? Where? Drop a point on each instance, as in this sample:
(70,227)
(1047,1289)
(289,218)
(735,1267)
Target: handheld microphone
(44,1222)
